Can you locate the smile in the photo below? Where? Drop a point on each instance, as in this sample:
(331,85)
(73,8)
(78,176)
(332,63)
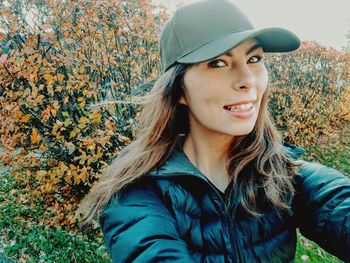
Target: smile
(240,108)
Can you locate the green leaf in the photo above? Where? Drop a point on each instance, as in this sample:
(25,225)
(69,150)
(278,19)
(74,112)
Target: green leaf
(67,122)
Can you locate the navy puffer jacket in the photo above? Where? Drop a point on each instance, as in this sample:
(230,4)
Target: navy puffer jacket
(176,214)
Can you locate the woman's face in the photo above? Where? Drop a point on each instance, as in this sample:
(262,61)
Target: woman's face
(224,94)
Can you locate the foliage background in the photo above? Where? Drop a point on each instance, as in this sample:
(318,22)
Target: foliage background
(66,74)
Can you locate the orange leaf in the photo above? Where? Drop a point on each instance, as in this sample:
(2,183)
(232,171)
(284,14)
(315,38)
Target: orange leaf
(81,69)
(25,118)
(39,99)
(35,137)
(82,104)
(3,58)
(60,77)
(48,77)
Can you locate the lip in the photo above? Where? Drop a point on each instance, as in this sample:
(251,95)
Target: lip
(245,114)
(241,102)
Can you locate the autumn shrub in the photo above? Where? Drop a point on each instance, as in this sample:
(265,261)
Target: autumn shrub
(62,69)
(310,91)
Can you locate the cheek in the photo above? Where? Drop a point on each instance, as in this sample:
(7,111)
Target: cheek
(262,80)
(199,90)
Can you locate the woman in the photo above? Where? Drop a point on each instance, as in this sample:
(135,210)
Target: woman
(208,178)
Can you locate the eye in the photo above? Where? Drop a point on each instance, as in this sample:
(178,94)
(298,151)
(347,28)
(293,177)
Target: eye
(255,59)
(217,63)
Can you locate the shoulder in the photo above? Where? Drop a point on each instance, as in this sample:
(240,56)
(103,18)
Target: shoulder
(143,192)
(312,173)
(321,189)
(157,195)
(137,225)
(323,207)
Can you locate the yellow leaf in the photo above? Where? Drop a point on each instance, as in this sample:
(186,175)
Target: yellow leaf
(34,137)
(34,91)
(60,77)
(96,118)
(39,99)
(72,134)
(18,114)
(50,90)
(56,105)
(42,147)
(84,120)
(81,69)
(25,118)
(67,122)
(63,167)
(48,77)
(40,175)
(89,144)
(45,114)
(81,125)
(53,112)
(82,104)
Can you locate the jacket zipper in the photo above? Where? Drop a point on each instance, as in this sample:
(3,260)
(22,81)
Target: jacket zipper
(231,224)
(236,257)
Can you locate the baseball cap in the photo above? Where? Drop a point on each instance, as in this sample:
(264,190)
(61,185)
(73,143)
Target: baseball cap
(209,28)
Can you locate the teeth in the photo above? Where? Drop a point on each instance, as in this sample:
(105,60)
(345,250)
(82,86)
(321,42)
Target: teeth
(240,107)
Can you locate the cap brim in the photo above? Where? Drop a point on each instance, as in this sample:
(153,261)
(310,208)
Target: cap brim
(271,40)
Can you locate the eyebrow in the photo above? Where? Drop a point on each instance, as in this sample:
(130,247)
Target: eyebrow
(251,49)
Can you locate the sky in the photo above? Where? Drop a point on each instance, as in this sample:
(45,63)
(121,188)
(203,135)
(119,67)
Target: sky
(325,21)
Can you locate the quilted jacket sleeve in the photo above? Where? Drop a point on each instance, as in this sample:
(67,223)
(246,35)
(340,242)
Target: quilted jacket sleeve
(324,208)
(139,228)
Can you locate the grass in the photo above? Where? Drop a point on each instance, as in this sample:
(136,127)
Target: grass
(22,237)
(26,239)
(308,251)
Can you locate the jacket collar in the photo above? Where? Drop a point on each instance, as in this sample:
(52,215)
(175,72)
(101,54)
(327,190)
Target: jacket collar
(293,151)
(179,164)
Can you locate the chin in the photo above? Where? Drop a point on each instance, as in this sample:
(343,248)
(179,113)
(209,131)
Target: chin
(241,131)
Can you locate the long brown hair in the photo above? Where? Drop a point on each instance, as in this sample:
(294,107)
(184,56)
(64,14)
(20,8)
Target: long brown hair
(255,161)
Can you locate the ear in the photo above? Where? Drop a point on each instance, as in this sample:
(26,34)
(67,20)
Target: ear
(183,100)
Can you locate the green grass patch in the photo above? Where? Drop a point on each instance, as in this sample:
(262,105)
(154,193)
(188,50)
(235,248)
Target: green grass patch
(23,237)
(308,251)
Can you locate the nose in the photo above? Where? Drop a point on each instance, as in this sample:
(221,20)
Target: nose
(243,77)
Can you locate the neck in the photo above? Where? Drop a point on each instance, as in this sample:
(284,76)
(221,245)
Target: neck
(208,153)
